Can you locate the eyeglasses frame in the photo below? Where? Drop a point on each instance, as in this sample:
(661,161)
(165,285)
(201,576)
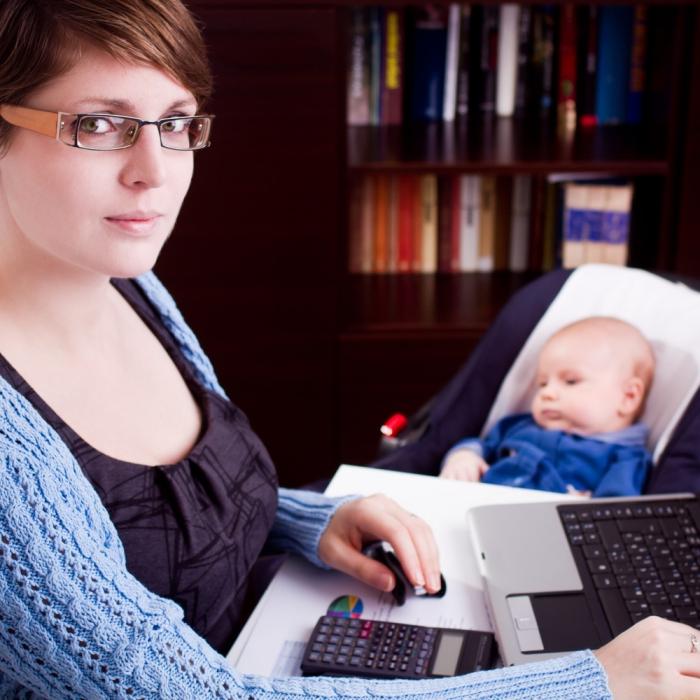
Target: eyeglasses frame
(51,123)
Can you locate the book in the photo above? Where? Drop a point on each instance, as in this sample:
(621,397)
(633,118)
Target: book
(455,222)
(507,64)
(358,69)
(520,223)
(392,262)
(454,23)
(487,224)
(381,223)
(488,59)
(464,61)
(392,67)
(638,58)
(576,214)
(614,53)
(426,75)
(616,224)
(375,62)
(538,195)
(550,243)
(429,213)
(524,51)
(587,64)
(596,223)
(542,86)
(444,223)
(566,94)
(354,228)
(406,225)
(366,233)
(502,220)
(470,208)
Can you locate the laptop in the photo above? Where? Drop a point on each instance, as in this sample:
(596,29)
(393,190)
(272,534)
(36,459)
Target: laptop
(569,575)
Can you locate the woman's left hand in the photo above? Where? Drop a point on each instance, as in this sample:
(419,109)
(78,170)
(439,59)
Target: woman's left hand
(379,518)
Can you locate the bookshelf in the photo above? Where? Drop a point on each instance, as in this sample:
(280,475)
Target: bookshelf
(317,357)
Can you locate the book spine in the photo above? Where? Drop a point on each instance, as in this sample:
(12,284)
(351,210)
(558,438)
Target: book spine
(507,65)
(449,106)
(524,50)
(487,224)
(429,209)
(470,197)
(455,223)
(407,196)
(548,94)
(577,224)
(587,65)
(464,61)
(616,224)
(393,225)
(489,58)
(427,81)
(595,209)
(566,97)
(375,52)
(418,229)
(366,254)
(392,83)
(444,224)
(638,60)
(355,228)
(614,52)
(549,227)
(381,223)
(520,223)
(358,69)
(535,256)
(502,220)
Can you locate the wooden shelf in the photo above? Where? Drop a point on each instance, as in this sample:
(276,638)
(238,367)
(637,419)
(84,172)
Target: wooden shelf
(507,146)
(376,305)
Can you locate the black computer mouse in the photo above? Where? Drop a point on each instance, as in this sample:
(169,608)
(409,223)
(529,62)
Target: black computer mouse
(384,553)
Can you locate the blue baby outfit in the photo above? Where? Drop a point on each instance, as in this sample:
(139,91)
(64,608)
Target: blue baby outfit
(75,624)
(521,453)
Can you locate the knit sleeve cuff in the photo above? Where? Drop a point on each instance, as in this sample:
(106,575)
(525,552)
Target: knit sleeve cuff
(302,518)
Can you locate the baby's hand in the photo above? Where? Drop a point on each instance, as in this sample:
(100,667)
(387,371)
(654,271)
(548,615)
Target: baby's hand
(464,465)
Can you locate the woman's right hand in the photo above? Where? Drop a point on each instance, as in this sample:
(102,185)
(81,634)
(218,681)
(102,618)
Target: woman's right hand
(653,661)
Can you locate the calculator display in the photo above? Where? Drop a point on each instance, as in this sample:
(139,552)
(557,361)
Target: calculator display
(448,652)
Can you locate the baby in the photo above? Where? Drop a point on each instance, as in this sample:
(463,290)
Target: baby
(582,436)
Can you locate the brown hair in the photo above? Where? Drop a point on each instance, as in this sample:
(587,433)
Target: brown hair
(40,39)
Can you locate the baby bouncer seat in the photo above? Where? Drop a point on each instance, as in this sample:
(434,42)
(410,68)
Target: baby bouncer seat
(498,377)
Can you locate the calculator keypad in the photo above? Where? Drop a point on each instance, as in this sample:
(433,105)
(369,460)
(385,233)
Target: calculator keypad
(352,646)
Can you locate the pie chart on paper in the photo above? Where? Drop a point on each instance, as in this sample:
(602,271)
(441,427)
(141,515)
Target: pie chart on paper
(346,606)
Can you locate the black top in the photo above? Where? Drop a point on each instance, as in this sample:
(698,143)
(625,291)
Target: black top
(192,530)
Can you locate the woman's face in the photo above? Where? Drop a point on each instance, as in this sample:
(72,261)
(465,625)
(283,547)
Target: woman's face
(106,212)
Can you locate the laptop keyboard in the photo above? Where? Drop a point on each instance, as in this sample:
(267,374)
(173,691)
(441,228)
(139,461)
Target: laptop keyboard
(640,558)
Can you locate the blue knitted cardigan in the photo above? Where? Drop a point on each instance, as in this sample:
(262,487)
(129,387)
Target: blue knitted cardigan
(75,624)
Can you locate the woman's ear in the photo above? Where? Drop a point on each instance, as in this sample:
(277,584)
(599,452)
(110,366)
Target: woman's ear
(632,397)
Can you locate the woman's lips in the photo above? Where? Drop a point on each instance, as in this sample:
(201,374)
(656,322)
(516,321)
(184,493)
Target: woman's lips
(135,222)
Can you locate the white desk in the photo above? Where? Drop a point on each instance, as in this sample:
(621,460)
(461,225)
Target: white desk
(273,638)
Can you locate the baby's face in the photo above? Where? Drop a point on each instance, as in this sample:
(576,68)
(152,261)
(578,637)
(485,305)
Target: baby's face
(580,386)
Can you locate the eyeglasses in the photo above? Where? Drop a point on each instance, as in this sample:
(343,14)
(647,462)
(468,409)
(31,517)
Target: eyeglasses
(110,132)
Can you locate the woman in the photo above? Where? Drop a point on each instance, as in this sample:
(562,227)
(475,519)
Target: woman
(127,475)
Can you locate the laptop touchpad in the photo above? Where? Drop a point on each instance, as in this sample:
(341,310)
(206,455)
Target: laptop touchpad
(565,622)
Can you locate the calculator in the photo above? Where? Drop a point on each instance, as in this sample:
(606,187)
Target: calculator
(343,646)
